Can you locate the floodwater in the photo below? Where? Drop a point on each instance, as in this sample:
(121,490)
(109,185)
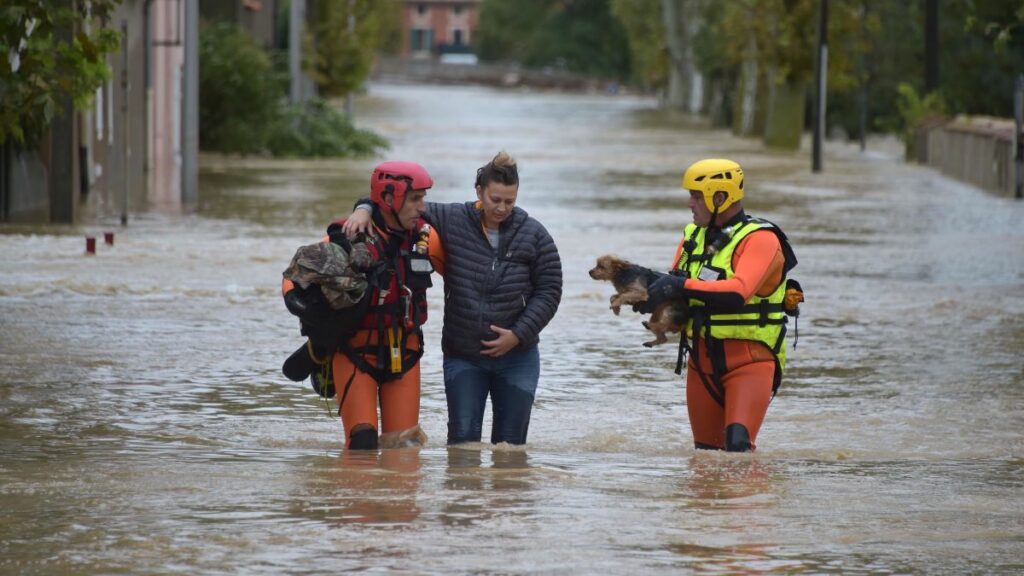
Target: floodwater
(145,426)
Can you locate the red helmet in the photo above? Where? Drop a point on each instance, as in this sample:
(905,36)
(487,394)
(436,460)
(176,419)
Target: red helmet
(397,178)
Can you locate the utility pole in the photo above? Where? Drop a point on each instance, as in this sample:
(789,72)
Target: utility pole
(125,169)
(296,20)
(349,99)
(1018,116)
(821,79)
(931,46)
(190,108)
(863,120)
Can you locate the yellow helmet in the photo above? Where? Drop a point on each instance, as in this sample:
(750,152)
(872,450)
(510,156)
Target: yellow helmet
(715,175)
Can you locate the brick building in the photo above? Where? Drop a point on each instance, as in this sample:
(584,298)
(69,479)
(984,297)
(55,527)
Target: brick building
(434,27)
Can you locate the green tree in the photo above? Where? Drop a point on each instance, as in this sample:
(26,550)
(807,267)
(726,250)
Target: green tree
(340,59)
(981,54)
(238,94)
(576,35)
(39,70)
(981,47)
(774,41)
(642,22)
(242,105)
(507,29)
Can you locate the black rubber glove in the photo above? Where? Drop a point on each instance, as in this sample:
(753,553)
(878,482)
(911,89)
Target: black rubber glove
(295,303)
(663,289)
(299,365)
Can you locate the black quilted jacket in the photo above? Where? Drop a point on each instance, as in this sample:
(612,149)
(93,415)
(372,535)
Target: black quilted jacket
(518,286)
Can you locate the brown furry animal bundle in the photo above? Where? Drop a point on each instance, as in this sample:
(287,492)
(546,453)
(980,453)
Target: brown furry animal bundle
(630,282)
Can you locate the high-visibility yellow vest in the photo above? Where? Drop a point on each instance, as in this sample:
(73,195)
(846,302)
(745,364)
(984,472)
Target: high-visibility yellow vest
(761,319)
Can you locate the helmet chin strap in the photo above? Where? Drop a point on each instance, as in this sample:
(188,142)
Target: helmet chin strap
(714,213)
(405,198)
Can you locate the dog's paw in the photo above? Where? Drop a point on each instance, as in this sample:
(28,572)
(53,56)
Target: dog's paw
(616,309)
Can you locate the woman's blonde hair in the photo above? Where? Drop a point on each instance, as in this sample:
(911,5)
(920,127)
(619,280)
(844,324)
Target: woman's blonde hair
(501,169)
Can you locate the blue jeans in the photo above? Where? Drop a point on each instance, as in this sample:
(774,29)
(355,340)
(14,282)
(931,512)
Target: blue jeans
(511,380)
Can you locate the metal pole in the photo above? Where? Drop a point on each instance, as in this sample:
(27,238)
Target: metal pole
(349,104)
(147,81)
(863,120)
(190,107)
(296,19)
(124,122)
(1018,116)
(931,46)
(821,77)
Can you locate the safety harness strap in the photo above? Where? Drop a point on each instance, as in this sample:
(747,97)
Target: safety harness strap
(381,370)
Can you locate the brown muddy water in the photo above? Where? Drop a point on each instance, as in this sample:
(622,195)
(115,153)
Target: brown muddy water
(145,426)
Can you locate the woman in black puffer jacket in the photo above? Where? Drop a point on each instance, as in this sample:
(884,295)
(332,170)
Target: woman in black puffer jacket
(502,283)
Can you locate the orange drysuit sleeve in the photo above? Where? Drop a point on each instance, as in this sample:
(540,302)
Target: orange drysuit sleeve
(436,251)
(757,265)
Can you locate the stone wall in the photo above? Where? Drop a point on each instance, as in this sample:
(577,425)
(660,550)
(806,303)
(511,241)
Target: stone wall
(976,150)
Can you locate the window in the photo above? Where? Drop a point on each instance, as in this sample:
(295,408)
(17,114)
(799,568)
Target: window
(457,37)
(457,9)
(421,39)
(421,9)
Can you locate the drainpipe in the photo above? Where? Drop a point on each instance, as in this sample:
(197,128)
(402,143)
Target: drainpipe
(125,166)
(296,22)
(190,108)
(147,72)
(1018,137)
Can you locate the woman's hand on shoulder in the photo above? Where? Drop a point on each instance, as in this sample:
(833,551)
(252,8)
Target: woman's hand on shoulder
(359,221)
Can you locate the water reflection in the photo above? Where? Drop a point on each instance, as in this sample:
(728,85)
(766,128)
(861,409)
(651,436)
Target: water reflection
(478,492)
(365,487)
(734,480)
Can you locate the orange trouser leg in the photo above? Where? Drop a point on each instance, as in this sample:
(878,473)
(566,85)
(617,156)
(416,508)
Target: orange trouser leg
(750,370)
(399,399)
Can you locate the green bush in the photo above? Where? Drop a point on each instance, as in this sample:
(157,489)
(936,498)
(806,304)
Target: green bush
(238,94)
(915,111)
(242,107)
(315,129)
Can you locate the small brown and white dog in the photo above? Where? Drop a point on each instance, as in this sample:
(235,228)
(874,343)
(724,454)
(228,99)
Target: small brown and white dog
(631,282)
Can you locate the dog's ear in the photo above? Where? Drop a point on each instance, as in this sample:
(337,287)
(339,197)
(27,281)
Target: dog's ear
(617,264)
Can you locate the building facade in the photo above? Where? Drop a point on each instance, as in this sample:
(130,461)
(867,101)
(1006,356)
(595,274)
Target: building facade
(135,147)
(434,27)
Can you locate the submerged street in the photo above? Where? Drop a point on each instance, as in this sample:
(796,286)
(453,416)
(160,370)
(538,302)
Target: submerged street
(145,425)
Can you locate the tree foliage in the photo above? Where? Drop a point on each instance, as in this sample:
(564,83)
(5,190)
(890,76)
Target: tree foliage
(242,107)
(575,35)
(39,71)
(874,49)
(313,129)
(341,59)
(645,33)
(238,95)
(784,33)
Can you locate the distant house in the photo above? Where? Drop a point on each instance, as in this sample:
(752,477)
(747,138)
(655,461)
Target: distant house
(434,27)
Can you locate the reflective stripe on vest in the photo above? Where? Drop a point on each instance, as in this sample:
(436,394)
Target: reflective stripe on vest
(762,318)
